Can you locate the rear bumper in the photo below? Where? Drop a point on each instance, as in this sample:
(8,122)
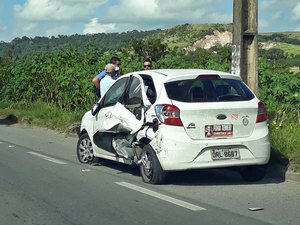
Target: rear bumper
(176,151)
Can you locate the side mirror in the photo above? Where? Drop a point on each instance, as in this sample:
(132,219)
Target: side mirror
(96,108)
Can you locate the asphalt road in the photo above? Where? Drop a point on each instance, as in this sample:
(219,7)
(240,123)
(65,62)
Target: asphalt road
(42,183)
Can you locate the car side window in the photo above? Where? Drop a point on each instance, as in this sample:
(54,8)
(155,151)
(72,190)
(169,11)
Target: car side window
(149,88)
(134,97)
(114,94)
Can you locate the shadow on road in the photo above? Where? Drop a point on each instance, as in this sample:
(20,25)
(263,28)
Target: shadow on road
(276,173)
(9,120)
(224,176)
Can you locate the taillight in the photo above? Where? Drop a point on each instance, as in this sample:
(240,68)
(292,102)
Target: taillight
(262,114)
(168,114)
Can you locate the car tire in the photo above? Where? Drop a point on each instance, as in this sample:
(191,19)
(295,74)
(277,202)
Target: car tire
(150,168)
(253,173)
(85,152)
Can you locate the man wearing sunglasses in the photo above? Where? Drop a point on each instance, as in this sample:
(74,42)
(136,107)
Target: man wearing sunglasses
(147,64)
(97,79)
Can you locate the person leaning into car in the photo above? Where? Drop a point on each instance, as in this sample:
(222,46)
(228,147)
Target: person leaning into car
(108,79)
(96,80)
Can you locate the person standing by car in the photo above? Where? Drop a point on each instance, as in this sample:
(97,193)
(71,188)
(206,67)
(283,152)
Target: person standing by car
(147,64)
(96,80)
(108,80)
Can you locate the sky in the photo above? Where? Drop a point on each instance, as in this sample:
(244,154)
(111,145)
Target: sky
(47,18)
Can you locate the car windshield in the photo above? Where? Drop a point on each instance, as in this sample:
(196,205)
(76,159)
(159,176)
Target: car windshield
(208,90)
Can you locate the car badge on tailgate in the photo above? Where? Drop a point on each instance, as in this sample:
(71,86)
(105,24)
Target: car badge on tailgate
(191,126)
(245,120)
(221,116)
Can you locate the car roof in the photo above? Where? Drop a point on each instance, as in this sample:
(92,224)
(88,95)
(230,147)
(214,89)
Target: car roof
(183,72)
(175,74)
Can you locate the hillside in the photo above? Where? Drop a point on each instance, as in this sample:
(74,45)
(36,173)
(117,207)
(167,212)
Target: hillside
(290,49)
(188,36)
(185,35)
(103,41)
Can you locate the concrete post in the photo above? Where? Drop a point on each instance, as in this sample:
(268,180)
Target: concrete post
(245,47)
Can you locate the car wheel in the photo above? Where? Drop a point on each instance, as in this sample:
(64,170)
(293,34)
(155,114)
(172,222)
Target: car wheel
(150,167)
(85,153)
(253,173)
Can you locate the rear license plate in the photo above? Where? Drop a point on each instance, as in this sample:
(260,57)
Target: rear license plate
(218,130)
(217,154)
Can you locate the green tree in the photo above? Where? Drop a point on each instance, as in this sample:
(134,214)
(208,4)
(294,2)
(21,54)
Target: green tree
(152,48)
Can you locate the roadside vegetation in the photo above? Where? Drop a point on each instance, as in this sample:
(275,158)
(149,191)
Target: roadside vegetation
(53,89)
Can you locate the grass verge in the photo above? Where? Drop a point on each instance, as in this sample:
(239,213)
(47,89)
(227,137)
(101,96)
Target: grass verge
(42,115)
(285,142)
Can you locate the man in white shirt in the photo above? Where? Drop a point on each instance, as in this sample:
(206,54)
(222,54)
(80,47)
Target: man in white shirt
(108,80)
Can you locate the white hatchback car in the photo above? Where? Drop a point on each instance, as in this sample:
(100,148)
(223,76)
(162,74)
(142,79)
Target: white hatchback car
(178,119)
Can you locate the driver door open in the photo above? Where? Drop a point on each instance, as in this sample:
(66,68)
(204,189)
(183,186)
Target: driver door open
(115,132)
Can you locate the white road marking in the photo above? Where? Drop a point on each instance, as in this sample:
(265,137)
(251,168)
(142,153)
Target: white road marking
(255,209)
(11,146)
(161,196)
(48,158)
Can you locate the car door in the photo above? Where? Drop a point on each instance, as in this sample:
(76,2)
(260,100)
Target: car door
(129,118)
(107,103)
(121,121)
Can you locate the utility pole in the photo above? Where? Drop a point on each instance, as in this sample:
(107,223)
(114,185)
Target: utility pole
(244,46)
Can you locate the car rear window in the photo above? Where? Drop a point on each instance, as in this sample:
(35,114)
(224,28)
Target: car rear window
(208,90)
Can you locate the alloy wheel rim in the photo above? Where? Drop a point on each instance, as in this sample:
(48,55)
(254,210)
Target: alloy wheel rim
(148,168)
(86,150)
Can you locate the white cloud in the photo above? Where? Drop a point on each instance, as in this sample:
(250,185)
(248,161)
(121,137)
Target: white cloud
(296,12)
(29,27)
(47,10)
(3,27)
(95,27)
(57,31)
(276,15)
(266,4)
(66,17)
(215,17)
(26,29)
(145,15)
(263,25)
(132,9)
